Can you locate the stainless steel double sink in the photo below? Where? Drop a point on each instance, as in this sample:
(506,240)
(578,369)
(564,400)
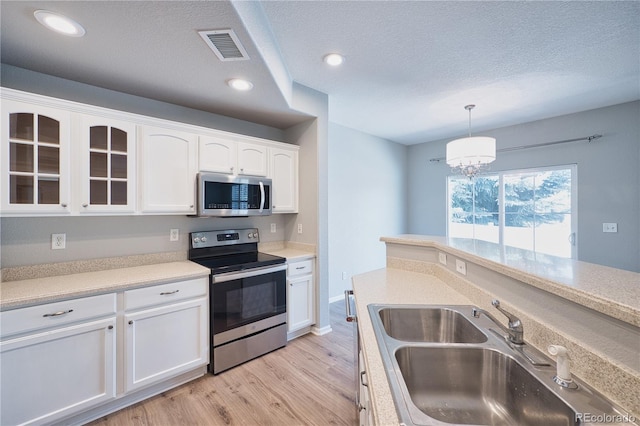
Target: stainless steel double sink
(446,367)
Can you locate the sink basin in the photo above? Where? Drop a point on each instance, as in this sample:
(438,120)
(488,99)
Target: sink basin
(477,386)
(435,325)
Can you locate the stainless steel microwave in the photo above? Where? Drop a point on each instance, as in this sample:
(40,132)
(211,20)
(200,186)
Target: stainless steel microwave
(221,195)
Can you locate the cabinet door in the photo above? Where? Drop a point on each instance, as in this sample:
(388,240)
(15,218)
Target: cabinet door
(168,163)
(165,341)
(284,176)
(108,166)
(300,312)
(54,374)
(217,155)
(35,159)
(252,159)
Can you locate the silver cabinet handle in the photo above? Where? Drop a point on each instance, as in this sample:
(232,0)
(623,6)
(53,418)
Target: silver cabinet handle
(57,314)
(164,293)
(347,305)
(130,322)
(362,374)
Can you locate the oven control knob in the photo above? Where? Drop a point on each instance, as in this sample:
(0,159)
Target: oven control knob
(203,239)
(250,235)
(255,235)
(196,240)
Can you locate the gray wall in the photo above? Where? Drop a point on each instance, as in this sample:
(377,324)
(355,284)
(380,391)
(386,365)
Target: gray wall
(367,199)
(608,177)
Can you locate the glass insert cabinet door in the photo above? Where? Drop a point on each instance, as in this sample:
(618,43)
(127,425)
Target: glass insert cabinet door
(35,159)
(109,168)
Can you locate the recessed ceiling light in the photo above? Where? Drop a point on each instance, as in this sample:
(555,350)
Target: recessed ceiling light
(240,84)
(59,23)
(333,59)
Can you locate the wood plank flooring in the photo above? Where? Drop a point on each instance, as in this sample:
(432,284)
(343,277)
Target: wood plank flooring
(309,382)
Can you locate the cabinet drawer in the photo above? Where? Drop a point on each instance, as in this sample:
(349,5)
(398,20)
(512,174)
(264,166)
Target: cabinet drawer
(300,268)
(57,314)
(165,293)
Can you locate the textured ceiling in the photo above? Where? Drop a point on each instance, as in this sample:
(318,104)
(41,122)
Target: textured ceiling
(410,66)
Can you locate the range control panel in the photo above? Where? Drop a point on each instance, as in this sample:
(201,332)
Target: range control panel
(224,237)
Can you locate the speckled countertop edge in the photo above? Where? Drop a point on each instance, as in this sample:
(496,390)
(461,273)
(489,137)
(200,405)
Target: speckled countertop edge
(617,295)
(17,294)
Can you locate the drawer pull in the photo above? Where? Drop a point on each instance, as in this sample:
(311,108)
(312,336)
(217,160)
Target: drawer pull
(300,267)
(57,314)
(131,322)
(110,327)
(164,293)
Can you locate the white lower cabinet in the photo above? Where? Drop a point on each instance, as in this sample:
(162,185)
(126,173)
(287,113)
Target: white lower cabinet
(54,372)
(62,360)
(300,295)
(165,341)
(364,402)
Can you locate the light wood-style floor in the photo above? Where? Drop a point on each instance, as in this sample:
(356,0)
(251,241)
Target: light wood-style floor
(309,382)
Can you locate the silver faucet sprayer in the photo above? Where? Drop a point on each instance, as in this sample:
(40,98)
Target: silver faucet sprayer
(514,331)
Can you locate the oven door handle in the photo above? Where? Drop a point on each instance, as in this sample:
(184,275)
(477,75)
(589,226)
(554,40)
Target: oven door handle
(230,276)
(261,197)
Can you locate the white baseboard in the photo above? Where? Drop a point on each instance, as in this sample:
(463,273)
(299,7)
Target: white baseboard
(321,331)
(336,298)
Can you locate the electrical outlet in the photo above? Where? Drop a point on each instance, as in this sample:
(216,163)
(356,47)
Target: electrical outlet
(461,267)
(174,235)
(58,241)
(609,227)
(299,228)
(344,275)
(442,258)
(273,227)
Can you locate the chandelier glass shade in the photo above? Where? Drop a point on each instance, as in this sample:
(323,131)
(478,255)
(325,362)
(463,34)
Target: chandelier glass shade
(469,155)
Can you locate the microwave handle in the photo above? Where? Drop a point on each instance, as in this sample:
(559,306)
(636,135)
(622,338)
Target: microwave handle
(261,197)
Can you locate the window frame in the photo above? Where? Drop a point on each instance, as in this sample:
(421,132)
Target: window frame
(572,167)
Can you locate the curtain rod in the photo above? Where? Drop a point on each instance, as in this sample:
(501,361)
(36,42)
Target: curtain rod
(538,145)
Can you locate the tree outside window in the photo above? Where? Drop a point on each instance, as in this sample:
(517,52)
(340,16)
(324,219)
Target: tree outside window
(536,213)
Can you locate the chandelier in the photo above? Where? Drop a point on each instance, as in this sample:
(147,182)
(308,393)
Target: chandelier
(467,156)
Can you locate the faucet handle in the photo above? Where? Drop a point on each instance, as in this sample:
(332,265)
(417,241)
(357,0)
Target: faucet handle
(512,318)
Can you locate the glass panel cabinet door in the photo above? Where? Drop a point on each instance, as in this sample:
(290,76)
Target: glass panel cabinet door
(109,165)
(34,159)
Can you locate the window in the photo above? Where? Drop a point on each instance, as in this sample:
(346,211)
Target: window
(533,209)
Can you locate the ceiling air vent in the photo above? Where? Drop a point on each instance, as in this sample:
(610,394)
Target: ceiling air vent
(225,44)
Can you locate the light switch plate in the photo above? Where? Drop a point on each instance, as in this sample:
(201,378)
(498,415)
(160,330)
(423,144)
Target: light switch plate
(609,227)
(442,258)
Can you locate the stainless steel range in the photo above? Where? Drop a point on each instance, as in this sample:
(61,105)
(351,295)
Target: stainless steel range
(247,291)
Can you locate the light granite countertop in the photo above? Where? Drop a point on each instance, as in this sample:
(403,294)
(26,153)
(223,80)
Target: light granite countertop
(17,294)
(399,286)
(291,254)
(614,292)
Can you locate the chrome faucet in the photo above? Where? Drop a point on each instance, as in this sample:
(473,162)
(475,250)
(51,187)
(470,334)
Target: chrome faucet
(515,330)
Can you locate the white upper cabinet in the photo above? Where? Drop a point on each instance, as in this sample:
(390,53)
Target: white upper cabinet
(252,159)
(284,176)
(217,155)
(35,159)
(108,166)
(227,155)
(168,168)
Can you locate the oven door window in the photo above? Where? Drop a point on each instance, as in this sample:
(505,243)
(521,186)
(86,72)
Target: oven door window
(243,301)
